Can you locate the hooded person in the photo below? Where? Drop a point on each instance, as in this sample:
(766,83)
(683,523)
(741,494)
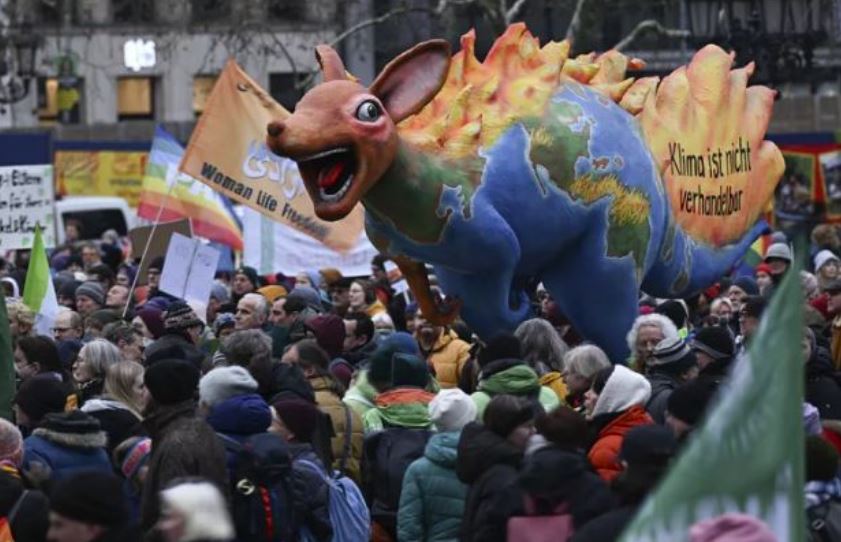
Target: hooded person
(826,267)
(502,371)
(182,443)
(182,332)
(488,461)
(615,405)
(432,497)
(672,364)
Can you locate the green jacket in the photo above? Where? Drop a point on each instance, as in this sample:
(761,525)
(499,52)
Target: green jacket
(432,498)
(399,407)
(360,397)
(513,379)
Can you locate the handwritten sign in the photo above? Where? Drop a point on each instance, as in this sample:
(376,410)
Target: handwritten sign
(189,268)
(26,199)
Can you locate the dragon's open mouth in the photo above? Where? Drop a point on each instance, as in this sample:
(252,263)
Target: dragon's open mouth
(331,171)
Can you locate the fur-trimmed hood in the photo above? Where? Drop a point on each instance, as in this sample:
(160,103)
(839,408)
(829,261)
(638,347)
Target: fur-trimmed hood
(72,429)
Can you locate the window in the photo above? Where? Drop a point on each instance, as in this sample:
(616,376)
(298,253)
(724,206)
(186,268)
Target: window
(59,100)
(133,11)
(202,87)
(285,10)
(96,222)
(210,10)
(282,88)
(136,98)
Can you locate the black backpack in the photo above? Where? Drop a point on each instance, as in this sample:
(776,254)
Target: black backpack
(386,456)
(261,502)
(824,522)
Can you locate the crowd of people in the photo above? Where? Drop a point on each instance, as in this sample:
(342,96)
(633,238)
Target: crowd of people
(323,407)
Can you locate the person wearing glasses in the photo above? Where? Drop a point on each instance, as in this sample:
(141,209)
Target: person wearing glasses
(68,326)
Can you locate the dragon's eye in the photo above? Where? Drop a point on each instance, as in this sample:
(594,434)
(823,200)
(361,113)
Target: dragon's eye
(368,111)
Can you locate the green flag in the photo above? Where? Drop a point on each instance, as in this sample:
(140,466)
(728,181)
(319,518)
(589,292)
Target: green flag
(7,362)
(748,455)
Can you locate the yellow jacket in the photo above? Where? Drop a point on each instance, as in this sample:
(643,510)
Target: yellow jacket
(448,357)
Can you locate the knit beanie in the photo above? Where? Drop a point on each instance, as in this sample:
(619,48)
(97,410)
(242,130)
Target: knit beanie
(136,457)
(648,446)
(331,275)
(401,341)
(329,331)
(731,528)
(171,381)
(272,292)
(715,341)
(251,275)
(342,370)
(93,290)
(90,496)
(179,317)
(504,346)
(747,284)
(823,257)
(674,311)
(40,395)
(451,410)
(298,415)
(68,289)
(779,251)
(673,352)
(688,402)
(409,371)
(308,296)
(224,320)
(153,318)
(224,383)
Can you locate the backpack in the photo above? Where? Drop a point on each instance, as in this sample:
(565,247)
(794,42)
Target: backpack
(824,522)
(557,527)
(262,507)
(386,456)
(348,510)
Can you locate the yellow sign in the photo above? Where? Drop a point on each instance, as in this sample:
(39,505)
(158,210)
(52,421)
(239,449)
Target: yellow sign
(100,173)
(228,152)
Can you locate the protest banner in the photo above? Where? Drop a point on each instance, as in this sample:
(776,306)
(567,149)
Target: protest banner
(747,456)
(228,152)
(272,246)
(157,245)
(100,173)
(189,269)
(26,200)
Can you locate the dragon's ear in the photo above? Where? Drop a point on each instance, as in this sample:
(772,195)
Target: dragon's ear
(331,64)
(412,79)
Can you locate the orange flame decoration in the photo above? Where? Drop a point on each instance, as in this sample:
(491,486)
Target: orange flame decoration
(703,106)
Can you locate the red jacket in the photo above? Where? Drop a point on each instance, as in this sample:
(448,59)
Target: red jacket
(604,455)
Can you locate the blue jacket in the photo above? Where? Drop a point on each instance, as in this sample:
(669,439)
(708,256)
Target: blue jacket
(66,447)
(239,418)
(432,500)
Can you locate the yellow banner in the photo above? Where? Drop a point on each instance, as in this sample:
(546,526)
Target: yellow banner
(100,173)
(228,152)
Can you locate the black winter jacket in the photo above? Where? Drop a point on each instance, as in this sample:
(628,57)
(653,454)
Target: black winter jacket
(489,464)
(310,492)
(822,386)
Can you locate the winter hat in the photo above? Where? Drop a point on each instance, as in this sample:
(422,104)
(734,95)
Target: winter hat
(731,528)
(68,289)
(505,412)
(503,346)
(40,395)
(688,402)
(451,410)
(821,459)
(624,389)
(342,370)
(780,251)
(331,276)
(153,318)
(674,352)
(91,497)
(93,290)
(159,302)
(171,381)
(103,317)
(747,284)
(329,331)
(400,341)
(716,342)
(220,293)
(762,268)
(251,275)
(648,446)
(823,257)
(298,415)
(409,370)
(225,382)
(308,296)
(674,311)
(272,292)
(754,306)
(223,321)
(136,457)
(179,317)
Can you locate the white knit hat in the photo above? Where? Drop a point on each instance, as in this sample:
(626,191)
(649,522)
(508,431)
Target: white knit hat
(225,382)
(781,251)
(824,256)
(451,410)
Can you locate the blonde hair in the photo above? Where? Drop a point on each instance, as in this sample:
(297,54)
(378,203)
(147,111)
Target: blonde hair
(19,312)
(203,510)
(119,384)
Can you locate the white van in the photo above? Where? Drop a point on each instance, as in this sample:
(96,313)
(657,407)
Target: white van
(96,214)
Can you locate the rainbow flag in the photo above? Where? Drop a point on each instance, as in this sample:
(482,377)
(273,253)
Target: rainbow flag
(209,212)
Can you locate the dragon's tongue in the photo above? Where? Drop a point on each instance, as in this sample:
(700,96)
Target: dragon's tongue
(330,176)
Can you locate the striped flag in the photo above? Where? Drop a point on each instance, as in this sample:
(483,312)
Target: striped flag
(39,293)
(209,212)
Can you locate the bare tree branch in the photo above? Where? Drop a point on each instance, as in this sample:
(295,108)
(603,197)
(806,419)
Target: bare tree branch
(575,21)
(515,11)
(650,25)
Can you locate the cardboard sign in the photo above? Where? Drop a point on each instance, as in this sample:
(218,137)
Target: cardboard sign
(189,268)
(26,200)
(158,246)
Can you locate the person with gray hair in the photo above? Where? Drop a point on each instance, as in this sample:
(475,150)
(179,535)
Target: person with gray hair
(11,444)
(543,349)
(90,367)
(648,330)
(252,312)
(581,364)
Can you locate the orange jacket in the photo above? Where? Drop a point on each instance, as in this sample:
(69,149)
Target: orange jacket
(448,357)
(604,455)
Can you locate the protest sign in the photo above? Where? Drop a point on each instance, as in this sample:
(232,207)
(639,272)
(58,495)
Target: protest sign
(100,173)
(26,200)
(228,152)
(189,268)
(272,247)
(139,238)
